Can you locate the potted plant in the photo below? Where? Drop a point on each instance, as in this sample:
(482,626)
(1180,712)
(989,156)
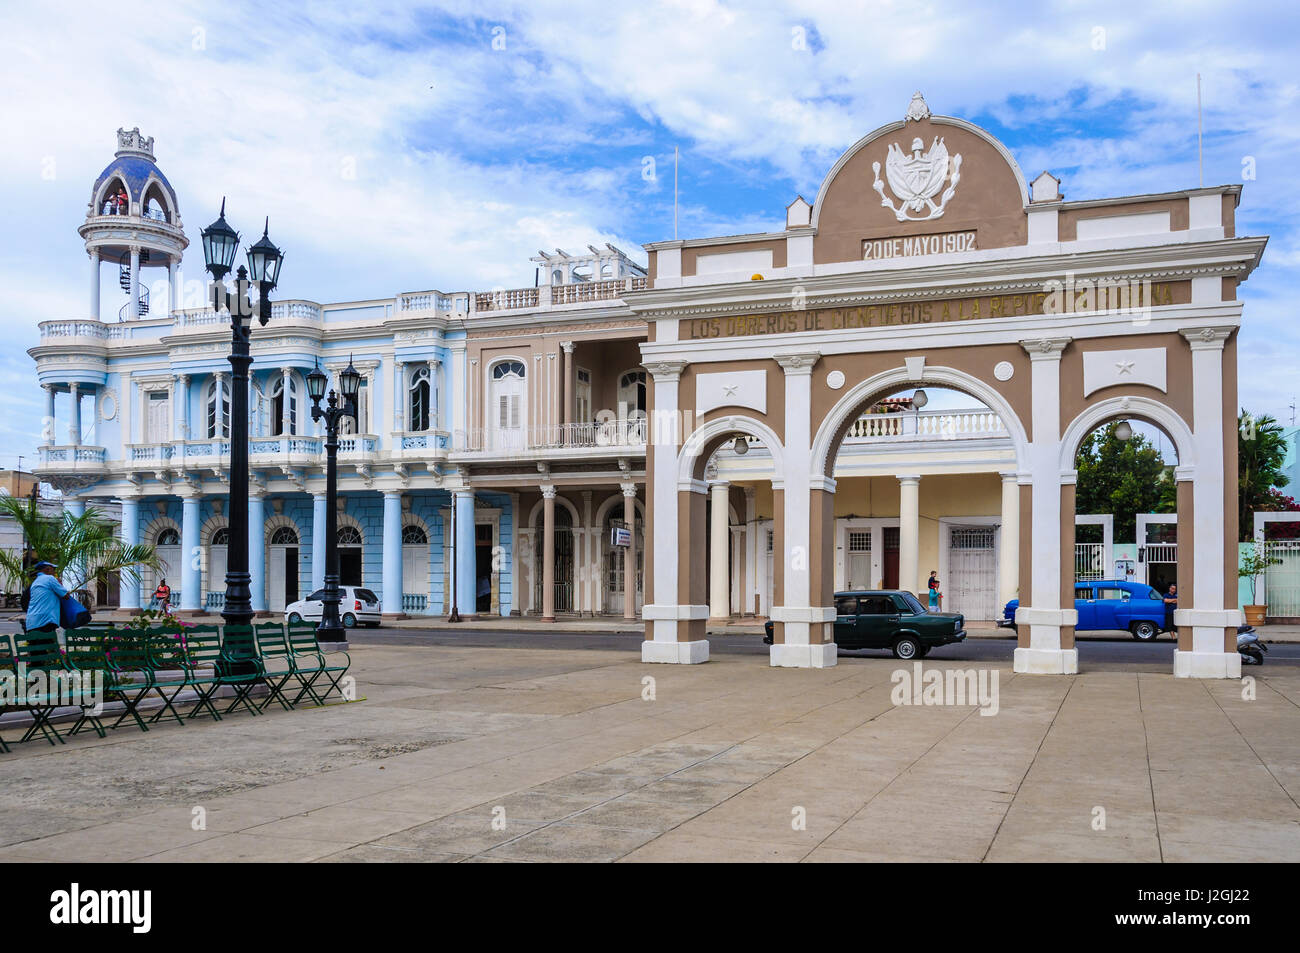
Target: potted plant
(1253,565)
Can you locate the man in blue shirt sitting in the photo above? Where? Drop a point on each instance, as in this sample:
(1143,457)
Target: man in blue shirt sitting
(43,604)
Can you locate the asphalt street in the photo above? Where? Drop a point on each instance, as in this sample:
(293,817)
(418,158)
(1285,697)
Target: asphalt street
(1118,649)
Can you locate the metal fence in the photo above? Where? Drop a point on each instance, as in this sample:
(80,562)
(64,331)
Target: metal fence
(1282,580)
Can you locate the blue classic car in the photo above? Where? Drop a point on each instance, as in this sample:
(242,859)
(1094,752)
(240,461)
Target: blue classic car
(1110,605)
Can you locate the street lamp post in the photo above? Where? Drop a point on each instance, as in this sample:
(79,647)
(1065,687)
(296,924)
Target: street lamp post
(336,408)
(220,244)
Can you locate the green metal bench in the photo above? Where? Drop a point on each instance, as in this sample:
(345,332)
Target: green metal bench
(203,652)
(277,662)
(131,671)
(84,651)
(312,663)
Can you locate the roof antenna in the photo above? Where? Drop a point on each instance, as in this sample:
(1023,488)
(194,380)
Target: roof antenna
(1200,158)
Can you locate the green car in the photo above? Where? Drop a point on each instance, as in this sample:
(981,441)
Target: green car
(890,619)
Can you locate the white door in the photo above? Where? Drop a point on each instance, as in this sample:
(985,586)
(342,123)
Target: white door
(415,578)
(507,410)
(857,561)
(168,549)
(275,579)
(217,573)
(971,587)
(157,417)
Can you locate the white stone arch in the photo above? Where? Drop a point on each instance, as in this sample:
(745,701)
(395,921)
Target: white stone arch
(277,521)
(613,501)
(149,578)
(410,519)
(346,519)
(733,423)
(173,216)
(857,395)
(1141,408)
(902,123)
(534,513)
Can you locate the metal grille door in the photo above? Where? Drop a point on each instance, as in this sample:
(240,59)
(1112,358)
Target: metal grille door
(971,587)
(1282,581)
(1088,561)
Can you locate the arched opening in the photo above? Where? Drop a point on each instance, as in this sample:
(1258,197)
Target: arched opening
(1126,468)
(155,206)
(419,397)
(218,551)
(217,409)
(167,546)
(415,568)
(350,544)
(113,198)
(564,559)
(282,579)
(284,406)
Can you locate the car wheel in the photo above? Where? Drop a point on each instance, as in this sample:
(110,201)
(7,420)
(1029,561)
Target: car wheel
(294,618)
(349,620)
(1145,631)
(906,647)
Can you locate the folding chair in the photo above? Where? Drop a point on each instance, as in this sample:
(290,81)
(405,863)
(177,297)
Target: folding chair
(39,652)
(202,655)
(277,663)
(311,663)
(84,651)
(239,665)
(130,671)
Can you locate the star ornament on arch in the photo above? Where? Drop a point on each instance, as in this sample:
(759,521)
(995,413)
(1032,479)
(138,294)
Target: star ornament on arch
(1124,367)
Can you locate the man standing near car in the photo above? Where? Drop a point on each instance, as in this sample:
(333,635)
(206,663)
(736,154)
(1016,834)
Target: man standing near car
(1171,603)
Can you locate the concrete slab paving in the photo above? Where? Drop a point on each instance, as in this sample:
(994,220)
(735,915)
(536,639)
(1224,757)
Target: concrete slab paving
(470,754)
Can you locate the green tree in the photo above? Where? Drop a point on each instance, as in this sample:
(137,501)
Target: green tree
(1122,477)
(83,549)
(1261,452)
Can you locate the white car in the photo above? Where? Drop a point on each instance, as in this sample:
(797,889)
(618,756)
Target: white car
(357,607)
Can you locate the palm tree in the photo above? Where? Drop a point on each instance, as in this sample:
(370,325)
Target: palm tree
(83,549)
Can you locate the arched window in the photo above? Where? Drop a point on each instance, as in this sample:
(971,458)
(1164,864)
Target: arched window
(221,537)
(420,390)
(278,397)
(506,416)
(414,536)
(284,536)
(349,536)
(115,200)
(631,391)
(218,416)
(168,537)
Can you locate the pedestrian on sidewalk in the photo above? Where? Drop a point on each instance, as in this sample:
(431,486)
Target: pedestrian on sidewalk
(936,597)
(1171,603)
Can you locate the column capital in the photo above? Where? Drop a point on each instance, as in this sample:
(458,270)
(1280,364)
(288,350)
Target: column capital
(1010,476)
(568,346)
(1045,349)
(666,370)
(798,363)
(1184,473)
(463,491)
(1206,339)
(909,479)
(750,492)
(548,491)
(629,489)
(391,494)
(73,387)
(184,379)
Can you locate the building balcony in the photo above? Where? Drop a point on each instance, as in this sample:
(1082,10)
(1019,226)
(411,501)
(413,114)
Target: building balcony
(927,425)
(613,438)
(79,459)
(82,331)
(421,444)
(282,311)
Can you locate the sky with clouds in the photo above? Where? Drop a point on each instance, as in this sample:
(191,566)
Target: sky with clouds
(403,147)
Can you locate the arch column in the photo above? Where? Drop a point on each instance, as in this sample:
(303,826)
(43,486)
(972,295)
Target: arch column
(548,553)
(48,434)
(629,554)
(129,589)
(1042,647)
(191,575)
(1207,643)
(173,285)
(719,549)
(808,503)
(319,516)
(1009,542)
(909,532)
(74,424)
(674,630)
(94,284)
(466,568)
(391,579)
(256,551)
(133,306)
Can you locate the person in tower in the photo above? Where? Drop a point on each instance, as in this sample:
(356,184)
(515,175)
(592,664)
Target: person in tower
(120,202)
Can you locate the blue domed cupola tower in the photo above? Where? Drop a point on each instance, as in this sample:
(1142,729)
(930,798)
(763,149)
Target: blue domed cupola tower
(134,222)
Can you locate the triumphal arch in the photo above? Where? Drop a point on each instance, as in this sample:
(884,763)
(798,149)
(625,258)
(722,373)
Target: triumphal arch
(928,260)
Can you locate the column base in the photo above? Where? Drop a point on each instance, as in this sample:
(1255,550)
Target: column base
(1206,664)
(785,655)
(678,653)
(1046,661)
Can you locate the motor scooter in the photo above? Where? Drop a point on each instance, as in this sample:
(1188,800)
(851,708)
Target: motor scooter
(1249,646)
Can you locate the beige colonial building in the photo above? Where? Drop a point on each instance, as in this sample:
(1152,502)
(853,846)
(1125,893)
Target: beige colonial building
(928,262)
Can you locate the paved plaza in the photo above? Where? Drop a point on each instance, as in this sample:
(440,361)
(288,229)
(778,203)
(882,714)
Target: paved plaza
(504,754)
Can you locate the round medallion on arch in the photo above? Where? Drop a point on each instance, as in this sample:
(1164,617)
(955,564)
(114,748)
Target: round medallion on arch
(835,380)
(1004,370)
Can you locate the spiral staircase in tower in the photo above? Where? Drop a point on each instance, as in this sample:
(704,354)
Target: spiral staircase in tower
(124,279)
